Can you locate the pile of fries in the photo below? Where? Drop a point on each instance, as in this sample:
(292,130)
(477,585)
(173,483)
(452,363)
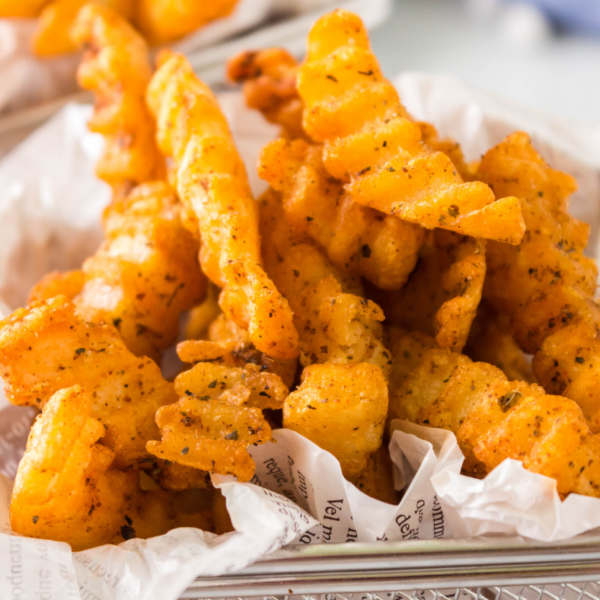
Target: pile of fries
(379,277)
(159,21)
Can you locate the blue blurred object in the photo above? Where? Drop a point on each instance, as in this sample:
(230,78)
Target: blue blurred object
(582,16)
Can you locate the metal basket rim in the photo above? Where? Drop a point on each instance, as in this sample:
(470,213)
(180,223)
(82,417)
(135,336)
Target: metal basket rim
(395,566)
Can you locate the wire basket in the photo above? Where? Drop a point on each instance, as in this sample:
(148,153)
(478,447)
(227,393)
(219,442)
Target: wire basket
(488,568)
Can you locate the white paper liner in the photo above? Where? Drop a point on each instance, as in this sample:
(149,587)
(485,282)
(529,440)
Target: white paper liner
(47,187)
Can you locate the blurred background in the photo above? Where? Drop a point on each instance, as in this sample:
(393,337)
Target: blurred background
(544,54)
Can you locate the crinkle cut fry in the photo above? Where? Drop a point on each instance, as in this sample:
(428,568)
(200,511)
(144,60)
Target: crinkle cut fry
(212,182)
(142,277)
(342,408)
(219,413)
(65,488)
(546,285)
(346,363)
(443,293)
(335,323)
(371,143)
(46,347)
(116,67)
(493,418)
(269,85)
(379,247)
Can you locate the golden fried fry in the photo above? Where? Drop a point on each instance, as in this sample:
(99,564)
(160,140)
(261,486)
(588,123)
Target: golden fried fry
(443,293)
(334,322)
(53,33)
(212,182)
(546,285)
(414,357)
(371,143)
(342,409)
(569,363)
(47,347)
(142,277)
(494,418)
(463,283)
(163,21)
(65,488)
(527,281)
(116,68)
(146,272)
(219,413)
(373,245)
(269,78)
(21,9)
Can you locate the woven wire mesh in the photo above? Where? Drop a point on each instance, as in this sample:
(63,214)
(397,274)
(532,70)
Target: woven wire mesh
(564,591)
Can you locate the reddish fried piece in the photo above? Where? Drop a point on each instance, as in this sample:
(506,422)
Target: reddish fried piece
(142,277)
(218,415)
(371,143)
(494,418)
(212,183)
(373,245)
(269,84)
(116,68)
(47,347)
(546,285)
(335,323)
(342,409)
(65,489)
(212,436)
(443,293)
